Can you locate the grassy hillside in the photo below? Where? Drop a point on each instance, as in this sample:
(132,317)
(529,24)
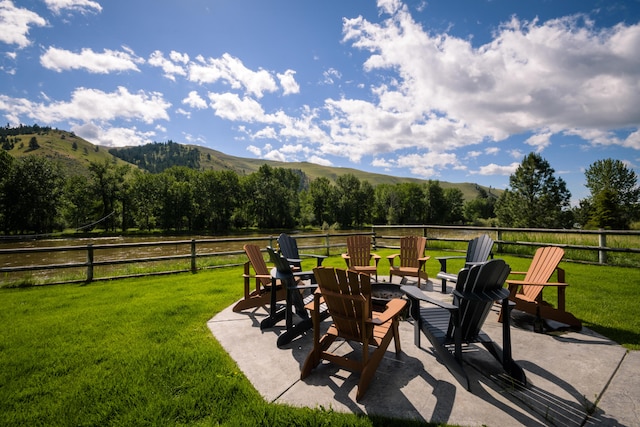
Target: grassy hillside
(75,154)
(71,151)
(212,159)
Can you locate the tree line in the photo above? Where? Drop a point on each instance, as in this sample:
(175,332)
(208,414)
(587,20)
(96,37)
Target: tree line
(37,197)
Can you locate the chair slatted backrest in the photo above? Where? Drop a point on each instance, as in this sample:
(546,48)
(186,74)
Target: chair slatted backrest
(288,246)
(479,248)
(487,278)
(347,295)
(412,248)
(359,250)
(281,264)
(544,263)
(258,263)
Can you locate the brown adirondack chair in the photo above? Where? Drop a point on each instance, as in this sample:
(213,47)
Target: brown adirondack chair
(478,251)
(527,293)
(359,256)
(412,259)
(261,295)
(347,296)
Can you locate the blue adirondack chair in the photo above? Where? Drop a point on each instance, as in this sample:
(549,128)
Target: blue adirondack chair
(448,326)
(478,251)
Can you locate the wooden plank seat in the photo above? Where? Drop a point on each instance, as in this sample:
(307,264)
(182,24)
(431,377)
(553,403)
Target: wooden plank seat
(449,326)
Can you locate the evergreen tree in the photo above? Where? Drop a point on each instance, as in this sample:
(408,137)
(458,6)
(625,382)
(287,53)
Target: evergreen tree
(536,198)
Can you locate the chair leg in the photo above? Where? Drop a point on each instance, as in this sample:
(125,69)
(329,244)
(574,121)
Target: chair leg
(396,336)
(369,369)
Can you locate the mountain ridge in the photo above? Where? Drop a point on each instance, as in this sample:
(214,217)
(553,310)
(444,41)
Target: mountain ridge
(75,154)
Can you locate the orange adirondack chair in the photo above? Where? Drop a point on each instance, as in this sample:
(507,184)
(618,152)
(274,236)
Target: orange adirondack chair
(412,259)
(527,293)
(261,295)
(359,256)
(347,296)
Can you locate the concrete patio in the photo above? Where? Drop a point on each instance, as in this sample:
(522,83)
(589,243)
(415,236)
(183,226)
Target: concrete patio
(574,378)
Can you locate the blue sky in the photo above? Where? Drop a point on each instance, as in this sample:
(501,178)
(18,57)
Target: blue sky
(457,90)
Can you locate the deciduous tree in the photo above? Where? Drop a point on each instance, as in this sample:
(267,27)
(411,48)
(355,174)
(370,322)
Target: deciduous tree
(615,195)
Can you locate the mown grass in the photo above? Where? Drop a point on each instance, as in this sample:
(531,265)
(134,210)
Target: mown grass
(138,351)
(132,352)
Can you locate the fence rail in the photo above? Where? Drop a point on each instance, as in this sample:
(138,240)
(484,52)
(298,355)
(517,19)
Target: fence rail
(92,256)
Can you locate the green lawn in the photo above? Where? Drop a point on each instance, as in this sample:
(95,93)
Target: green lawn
(138,351)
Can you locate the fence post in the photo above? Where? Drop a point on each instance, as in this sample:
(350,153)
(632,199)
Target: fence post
(193,256)
(89,263)
(499,236)
(326,242)
(602,242)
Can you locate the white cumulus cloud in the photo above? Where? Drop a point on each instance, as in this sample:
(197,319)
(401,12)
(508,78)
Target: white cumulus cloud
(15,23)
(82,6)
(94,62)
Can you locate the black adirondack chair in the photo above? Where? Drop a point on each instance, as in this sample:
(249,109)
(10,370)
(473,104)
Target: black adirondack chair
(295,287)
(478,251)
(289,249)
(448,326)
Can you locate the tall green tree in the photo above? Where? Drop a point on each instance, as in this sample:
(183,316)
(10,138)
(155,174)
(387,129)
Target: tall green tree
(77,201)
(178,209)
(107,186)
(536,198)
(482,207)
(6,164)
(387,205)
(216,198)
(454,201)
(31,194)
(323,198)
(354,200)
(436,203)
(615,195)
(146,193)
(270,197)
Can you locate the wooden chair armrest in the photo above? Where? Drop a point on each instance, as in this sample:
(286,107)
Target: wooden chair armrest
(376,258)
(523,283)
(392,259)
(393,308)
(346,258)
